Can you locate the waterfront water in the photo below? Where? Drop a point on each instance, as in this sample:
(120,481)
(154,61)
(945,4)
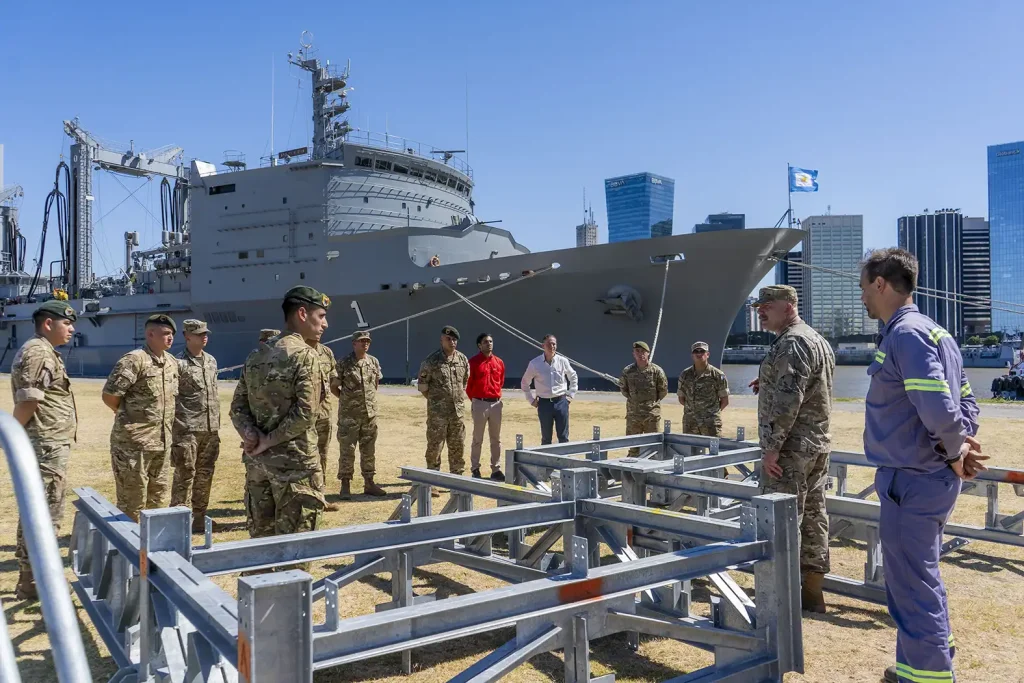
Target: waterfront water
(851,381)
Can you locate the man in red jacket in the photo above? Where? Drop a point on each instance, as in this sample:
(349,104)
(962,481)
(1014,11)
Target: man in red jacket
(486,377)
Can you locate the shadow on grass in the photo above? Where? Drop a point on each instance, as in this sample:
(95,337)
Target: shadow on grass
(984,563)
(850,616)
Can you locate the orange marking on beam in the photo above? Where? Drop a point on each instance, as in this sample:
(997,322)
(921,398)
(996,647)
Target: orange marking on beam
(580,590)
(1014,477)
(143,564)
(244,657)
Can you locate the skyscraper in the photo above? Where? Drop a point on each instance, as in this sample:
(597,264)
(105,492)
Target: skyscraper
(1006,230)
(977,276)
(722,221)
(936,240)
(586,233)
(792,274)
(835,243)
(639,206)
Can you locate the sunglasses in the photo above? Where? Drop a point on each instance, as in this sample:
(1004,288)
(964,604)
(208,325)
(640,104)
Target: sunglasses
(699,352)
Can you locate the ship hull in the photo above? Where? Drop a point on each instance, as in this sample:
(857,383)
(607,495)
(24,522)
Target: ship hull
(703,293)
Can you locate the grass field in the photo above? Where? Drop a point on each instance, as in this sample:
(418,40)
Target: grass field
(855,641)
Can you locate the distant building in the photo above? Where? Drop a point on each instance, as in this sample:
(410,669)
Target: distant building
(746,319)
(1006,225)
(835,243)
(977,276)
(792,274)
(586,232)
(936,240)
(639,206)
(722,221)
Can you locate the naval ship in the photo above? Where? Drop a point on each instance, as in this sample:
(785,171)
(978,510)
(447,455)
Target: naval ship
(387,228)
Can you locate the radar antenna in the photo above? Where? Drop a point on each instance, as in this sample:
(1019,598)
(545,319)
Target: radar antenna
(330,100)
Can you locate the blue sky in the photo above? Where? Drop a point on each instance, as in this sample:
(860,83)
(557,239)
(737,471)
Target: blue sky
(893,103)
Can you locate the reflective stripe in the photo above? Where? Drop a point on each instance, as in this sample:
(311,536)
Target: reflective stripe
(938,333)
(922,676)
(952,640)
(939,385)
(965,390)
(879,356)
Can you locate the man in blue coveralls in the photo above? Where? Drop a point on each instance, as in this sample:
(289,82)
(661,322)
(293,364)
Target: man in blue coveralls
(920,423)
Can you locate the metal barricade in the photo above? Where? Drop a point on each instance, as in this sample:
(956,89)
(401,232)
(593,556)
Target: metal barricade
(47,567)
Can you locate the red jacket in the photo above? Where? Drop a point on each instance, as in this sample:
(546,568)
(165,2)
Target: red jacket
(486,376)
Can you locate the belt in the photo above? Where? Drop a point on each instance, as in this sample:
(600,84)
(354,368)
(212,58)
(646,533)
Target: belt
(552,399)
(487,400)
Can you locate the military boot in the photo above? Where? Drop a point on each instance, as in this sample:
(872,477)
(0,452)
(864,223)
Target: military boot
(331,507)
(890,675)
(811,597)
(346,489)
(26,588)
(371,489)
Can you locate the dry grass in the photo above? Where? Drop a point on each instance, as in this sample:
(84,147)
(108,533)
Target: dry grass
(854,642)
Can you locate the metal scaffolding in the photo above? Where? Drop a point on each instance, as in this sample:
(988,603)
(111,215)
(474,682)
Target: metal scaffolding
(150,595)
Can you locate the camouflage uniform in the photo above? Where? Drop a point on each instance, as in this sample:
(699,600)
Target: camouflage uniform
(329,368)
(196,438)
(446,379)
(794,405)
(700,393)
(643,390)
(38,374)
(357,381)
(140,442)
(279,393)
(266,334)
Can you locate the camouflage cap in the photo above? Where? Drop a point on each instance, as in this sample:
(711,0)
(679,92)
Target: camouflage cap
(266,333)
(642,345)
(361,334)
(699,345)
(193,326)
(450,331)
(58,309)
(308,295)
(775,293)
(162,319)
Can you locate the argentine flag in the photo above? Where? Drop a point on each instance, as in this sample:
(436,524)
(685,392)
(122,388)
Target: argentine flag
(802,180)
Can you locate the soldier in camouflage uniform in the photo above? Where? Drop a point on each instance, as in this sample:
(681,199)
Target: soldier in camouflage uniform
(274,409)
(45,406)
(644,385)
(196,424)
(266,333)
(442,380)
(141,390)
(356,383)
(704,393)
(794,407)
(329,369)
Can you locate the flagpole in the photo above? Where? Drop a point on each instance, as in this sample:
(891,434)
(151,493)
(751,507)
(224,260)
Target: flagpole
(789,193)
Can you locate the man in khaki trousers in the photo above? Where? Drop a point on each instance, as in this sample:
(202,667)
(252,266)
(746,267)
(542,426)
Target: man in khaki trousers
(486,377)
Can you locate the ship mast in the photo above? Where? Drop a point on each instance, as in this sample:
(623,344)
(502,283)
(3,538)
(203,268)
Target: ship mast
(329,98)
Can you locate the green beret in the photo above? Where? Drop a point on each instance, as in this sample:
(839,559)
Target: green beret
(162,319)
(56,309)
(642,345)
(308,295)
(450,331)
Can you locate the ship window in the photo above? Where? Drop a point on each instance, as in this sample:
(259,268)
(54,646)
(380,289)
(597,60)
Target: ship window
(416,173)
(366,200)
(302,276)
(451,183)
(284,200)
(222,189)
(400,169)
(383,165)
(403,205)
(243,206)
(259,253)
(429,175)
(419,208)
(243,255)
(442,178)
(365,162)
(310,235)
(460,188)
(385,287)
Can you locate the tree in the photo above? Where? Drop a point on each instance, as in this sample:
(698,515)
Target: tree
(974,341)
(992,340)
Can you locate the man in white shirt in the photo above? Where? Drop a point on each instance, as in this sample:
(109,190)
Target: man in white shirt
(554,386)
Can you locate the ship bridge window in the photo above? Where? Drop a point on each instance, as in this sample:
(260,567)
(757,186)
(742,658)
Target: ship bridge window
(365,162)
(222,189)
(398,168)
(442,178)
(382,165)
(416,173)
(429,175)
(460,188)
(451,182)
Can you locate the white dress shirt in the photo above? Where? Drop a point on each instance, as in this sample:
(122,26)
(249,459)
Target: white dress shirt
(549,379)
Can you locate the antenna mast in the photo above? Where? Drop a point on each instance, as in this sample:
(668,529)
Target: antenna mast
(273,159)
(329,98)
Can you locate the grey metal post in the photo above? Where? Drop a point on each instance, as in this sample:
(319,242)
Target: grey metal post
(47,566)
(668,426)
(8,662)
(597,432)
(741,434)
(403,596)
(777,581)
(275,628)
(577,655)
(166,529)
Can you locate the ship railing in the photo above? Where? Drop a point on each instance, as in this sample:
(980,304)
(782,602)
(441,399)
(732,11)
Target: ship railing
(397,143)
(47,568)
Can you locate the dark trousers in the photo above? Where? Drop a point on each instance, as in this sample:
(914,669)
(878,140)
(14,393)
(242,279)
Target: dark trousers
(553,413)
(914,510)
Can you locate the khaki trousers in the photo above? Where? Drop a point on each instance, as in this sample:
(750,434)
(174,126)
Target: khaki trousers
(488,415)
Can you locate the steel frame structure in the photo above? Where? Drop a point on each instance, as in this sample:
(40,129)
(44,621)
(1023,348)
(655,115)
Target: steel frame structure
(151,597)
(675,471)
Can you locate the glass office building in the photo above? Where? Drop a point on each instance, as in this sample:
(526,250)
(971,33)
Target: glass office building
(639,206)
(936,239)
(1006,230)
(722,221)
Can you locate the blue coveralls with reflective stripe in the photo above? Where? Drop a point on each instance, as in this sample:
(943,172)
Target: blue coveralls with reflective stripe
(920,409)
